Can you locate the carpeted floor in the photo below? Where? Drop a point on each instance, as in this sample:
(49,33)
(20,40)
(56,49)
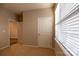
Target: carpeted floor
(20,50)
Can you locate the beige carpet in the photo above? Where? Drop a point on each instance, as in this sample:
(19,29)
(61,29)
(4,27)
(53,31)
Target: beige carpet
(20,50)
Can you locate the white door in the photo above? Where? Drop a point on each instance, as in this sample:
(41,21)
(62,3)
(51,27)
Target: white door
(45,32)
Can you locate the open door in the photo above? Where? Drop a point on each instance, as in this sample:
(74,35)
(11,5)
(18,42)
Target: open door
(45,32)
(13,32)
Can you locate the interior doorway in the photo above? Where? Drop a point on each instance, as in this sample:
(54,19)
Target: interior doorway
(13,31)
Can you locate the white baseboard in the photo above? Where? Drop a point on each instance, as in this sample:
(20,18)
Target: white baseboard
(36,46)
(4,47)
(30,45)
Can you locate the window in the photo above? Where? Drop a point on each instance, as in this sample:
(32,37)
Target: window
(67,26)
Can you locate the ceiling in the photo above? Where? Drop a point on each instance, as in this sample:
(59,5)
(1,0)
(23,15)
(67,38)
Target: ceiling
(20,7)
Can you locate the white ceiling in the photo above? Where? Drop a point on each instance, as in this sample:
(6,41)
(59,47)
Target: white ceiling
(20,7)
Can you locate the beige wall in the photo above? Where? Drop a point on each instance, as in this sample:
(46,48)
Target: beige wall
(20,31)
(30,24)
(4,28)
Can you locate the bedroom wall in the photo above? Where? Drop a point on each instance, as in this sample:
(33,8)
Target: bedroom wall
(5,15)
(30,24)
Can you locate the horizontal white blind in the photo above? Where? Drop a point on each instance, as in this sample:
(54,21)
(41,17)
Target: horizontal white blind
(69,27)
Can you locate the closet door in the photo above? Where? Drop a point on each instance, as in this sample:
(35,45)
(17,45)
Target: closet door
(45,32)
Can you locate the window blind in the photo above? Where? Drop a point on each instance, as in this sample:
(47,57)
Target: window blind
(68,27)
